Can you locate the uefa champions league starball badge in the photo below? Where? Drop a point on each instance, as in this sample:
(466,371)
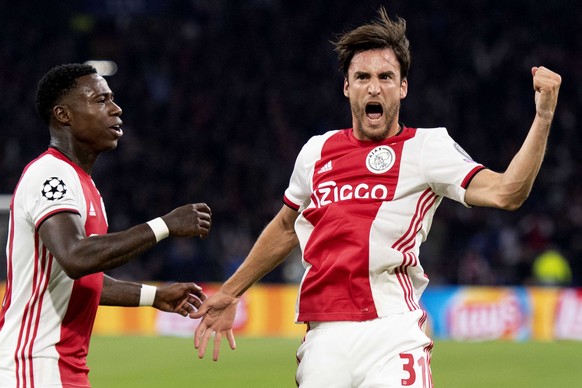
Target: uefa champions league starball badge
(54,189)
(380,159)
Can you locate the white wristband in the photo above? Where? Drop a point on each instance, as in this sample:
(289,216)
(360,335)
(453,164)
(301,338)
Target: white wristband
(159,228)
(147,295)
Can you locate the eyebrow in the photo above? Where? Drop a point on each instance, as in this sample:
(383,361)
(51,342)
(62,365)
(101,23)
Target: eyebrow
(360,73)
(104,94)
(387,73)
(367,73)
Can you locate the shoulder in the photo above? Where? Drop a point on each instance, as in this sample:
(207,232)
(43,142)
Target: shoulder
(47,164)
(47,185)
(434,131)
(48,170)
(434,137)
(320,139)
(317,142)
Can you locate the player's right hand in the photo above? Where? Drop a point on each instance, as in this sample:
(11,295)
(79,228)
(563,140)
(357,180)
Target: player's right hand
(189,220)
(217,313)
(180,298)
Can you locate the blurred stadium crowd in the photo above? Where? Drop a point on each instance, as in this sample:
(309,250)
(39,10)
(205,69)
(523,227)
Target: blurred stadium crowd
(219,96)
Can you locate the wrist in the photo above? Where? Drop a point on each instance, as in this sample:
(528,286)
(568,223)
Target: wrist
(159,227)
(233,292)
(147,295)
(545,115)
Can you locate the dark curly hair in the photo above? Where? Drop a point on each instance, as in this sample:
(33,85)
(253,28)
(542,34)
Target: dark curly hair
(57,82)
(380,34)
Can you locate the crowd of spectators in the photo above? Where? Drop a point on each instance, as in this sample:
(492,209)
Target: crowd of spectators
(219,96)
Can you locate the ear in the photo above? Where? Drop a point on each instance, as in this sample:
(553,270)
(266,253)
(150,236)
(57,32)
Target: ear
(62,114)
(346,87)
(403,88)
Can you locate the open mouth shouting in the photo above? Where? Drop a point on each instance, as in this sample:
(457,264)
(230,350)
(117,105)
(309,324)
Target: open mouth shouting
(374,111)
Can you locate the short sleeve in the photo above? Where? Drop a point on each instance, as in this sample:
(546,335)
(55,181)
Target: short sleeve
(47,187)
(446,166)
(298,193)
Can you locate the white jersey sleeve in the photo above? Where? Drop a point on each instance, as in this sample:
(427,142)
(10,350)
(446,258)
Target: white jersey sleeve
(50,187)
(298,194)
(446,166)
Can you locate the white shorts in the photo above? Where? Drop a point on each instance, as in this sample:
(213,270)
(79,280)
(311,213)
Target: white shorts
(386,352)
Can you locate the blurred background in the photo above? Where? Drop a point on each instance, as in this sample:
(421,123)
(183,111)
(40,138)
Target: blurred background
(219,96)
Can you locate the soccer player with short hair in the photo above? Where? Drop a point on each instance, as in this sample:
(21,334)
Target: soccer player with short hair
(360,201)
(58,245)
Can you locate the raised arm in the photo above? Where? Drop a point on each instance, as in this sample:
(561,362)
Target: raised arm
(218,311)
(64,236)
(509,190)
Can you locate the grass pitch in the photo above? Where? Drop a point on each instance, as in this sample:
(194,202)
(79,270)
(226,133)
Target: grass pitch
(161,362)
(152,362)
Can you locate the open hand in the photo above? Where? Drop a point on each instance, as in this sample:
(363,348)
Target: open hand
(217,313)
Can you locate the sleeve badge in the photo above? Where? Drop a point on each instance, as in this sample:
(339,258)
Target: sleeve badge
(54,189)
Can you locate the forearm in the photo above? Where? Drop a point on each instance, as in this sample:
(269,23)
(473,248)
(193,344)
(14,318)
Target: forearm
(120,293)
(517,181)
(271,248)
(100,253)
(78,254)
(510,189)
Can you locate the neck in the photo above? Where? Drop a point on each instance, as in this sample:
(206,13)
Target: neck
(86,163)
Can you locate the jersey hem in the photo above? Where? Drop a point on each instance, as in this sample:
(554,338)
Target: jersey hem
(470,176)
(289,203)
(326,317)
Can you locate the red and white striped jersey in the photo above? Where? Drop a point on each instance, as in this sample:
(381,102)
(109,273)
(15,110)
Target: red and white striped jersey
(47,318)
(365,208)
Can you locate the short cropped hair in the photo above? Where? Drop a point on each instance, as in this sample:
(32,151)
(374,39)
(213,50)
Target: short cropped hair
(379,34)
(56,83)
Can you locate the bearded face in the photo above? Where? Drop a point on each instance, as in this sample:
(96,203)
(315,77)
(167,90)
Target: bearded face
(375,88)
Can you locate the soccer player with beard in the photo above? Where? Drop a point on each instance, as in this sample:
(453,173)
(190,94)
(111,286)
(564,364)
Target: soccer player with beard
(359,203)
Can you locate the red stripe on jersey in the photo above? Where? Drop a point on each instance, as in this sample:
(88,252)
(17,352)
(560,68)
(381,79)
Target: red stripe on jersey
(422,320)
(470,176)
(405,282)
(407,242)
(31,317)
(426,205)
(8,290)
(411,296)
(9,275)
(78,321)
(289,203)
(427,349)
(50,214)
(46,265)
(425,201)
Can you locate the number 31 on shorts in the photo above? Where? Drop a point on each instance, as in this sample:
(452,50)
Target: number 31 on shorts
(415,369)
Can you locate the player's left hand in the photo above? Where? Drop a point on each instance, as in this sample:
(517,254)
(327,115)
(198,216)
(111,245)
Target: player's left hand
(546,84)
(180,298)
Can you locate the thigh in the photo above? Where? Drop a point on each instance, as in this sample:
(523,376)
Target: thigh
(410,368)
(399,356)
(383,353)
(322,359)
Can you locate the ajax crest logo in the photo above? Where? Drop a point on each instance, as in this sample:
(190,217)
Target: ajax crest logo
(380,159)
